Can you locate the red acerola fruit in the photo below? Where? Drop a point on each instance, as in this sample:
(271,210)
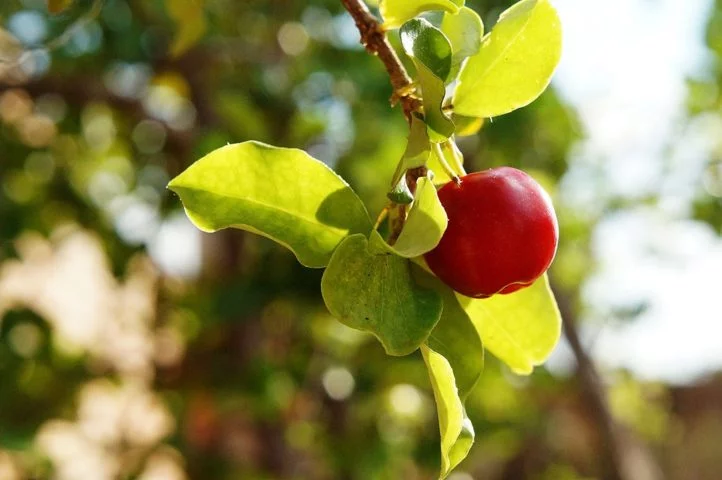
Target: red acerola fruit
(502,233)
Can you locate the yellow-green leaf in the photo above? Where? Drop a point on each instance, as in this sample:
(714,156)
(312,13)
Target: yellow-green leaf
(521,329)
(455,336)
(425,224)
(515,63)
(457,432)
(281,193)
(464,30)
(396,12)
(467,126)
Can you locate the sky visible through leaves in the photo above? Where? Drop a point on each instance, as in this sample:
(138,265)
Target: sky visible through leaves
(629,90)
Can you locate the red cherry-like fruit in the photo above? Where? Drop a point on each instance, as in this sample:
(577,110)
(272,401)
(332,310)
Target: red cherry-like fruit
(502,233)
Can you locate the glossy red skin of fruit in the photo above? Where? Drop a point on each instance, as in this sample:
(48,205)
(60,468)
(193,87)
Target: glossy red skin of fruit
(502,233)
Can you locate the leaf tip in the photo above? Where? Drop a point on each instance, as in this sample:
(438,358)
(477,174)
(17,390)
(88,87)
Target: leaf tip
(176,184)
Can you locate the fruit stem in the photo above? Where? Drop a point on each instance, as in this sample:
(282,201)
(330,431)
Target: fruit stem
(456,155)
(444,164)
(382,216)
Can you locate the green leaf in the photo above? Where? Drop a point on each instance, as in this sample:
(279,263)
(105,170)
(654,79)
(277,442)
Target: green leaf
(455,358)
(418,148)
(515,63)
(189,16)
(396,12)
(457,432)
(281,193)
(521,329)
(427,44)
(439,125)
(455,336)
(416,155)
(464,29)
(367,288)
(431,52)
(467,126)
(425,223)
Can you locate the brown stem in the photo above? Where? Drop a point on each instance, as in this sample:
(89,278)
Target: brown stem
(374,39)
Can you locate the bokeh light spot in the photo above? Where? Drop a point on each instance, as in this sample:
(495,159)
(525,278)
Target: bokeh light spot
(338,383)
(293,38)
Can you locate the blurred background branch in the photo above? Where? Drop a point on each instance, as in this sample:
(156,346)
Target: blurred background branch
(613,462)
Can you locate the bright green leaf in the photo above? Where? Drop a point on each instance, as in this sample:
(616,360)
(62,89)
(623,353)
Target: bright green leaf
(464,29)
(521,329)
(396,12)
(281,193)
(425,223)
(189,16)
(515,63)
(457,432)
(467,126)
(367,288)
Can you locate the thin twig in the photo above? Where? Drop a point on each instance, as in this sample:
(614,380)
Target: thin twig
(374,39)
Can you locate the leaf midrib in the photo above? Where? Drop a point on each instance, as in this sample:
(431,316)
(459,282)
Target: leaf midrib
(312,221)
